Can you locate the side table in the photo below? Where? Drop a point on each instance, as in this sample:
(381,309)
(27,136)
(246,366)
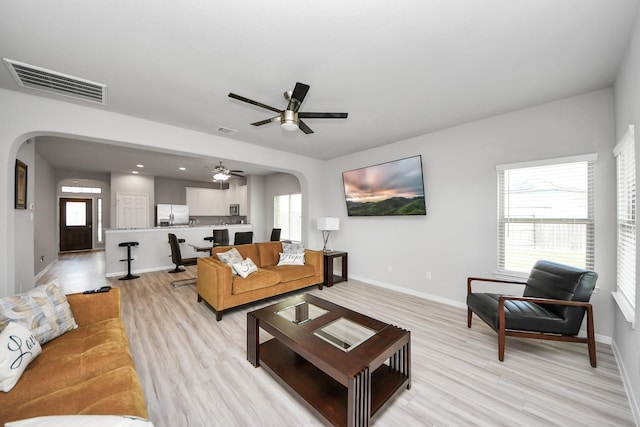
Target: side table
(329,277)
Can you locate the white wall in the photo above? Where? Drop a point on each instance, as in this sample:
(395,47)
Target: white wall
(627,340)
(23,223)
(458,236)
(46,230)
(25,116)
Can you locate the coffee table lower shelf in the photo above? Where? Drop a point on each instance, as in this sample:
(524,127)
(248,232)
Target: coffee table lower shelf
(327,397)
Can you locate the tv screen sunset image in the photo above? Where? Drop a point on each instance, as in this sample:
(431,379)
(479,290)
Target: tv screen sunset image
(393,188)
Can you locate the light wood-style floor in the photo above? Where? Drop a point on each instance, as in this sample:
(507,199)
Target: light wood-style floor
(194,370)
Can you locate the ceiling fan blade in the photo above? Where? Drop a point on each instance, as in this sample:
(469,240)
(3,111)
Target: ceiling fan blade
(264,122)
(298,95)
(236,171)
(306,115)
(236,174)
(304,128)
(251,101)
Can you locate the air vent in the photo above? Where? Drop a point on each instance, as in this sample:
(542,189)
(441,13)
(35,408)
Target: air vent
(226,131)
(38,78)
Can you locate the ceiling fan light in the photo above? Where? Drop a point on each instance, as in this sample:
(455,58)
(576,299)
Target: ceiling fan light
(220,176)
(289,120)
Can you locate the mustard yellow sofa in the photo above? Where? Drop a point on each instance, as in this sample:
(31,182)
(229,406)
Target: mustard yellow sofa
(88,370)
(222,290)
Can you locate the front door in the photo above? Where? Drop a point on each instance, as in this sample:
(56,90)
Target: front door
(76,231)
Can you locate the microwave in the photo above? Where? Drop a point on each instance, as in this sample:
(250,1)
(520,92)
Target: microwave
(234,209)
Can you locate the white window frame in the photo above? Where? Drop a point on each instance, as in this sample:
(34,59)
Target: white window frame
(509,219)
(625,293)
(293,220)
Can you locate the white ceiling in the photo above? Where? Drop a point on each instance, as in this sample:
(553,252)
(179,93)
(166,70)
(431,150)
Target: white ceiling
(399,69)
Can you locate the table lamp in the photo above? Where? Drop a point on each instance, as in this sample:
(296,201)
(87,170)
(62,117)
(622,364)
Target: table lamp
(327,225)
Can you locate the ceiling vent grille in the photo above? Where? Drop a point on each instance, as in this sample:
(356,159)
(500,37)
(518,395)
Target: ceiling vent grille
(38,78)
(226,130)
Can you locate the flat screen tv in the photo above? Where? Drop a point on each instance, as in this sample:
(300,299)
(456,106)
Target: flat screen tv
(392,188)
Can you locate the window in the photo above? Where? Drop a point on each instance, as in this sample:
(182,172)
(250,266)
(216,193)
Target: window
(99,215)
(287,215)
(545,211)
(76,190)
(625,154)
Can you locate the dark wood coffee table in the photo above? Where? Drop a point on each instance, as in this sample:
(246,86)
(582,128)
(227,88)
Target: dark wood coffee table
(346,366)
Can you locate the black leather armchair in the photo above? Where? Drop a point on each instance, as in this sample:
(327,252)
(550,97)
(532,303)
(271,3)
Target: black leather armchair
(555,300)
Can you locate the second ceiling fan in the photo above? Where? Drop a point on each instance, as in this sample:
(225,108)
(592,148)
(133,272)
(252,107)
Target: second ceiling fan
(290,117)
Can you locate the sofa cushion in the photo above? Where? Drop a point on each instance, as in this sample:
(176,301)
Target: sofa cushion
(230,257)
(44,310)
(246,251)
(292,248)
(113,390)
(291,259)
(72,359)
(269,253)
(288,273)
(82,421)
(245,267)
(262,278)
(18,347)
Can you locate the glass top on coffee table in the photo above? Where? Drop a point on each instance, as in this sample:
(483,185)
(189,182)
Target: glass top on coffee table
(344,333)
(301,312)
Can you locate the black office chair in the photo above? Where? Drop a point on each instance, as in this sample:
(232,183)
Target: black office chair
(275,234)
(243,238)
(176,255)
(555,300)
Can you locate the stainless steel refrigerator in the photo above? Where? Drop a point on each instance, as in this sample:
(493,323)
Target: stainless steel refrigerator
(167,215)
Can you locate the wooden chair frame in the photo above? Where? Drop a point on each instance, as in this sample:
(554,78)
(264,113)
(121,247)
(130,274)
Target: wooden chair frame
(503,332)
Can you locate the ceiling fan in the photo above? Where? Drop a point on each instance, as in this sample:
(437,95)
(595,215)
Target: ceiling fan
(290,117)
(221,173)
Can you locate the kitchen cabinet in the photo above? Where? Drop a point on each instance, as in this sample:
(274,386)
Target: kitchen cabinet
(207,201)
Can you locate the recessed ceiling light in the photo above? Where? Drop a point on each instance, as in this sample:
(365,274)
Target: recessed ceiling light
(134,172)
(140,165)
(182,169)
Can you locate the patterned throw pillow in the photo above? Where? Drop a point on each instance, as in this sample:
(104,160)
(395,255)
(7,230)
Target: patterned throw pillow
(245,268)
(232,256)
(18,347)
(292,248)
(291,259)
(44,310)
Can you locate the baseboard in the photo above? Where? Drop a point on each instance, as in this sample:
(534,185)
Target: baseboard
(138,271)
(633,402)
(44,271)
(603,339)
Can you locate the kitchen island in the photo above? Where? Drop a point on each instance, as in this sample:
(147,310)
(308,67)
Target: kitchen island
(153,252)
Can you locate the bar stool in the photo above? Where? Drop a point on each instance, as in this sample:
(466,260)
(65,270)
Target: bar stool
(129,276)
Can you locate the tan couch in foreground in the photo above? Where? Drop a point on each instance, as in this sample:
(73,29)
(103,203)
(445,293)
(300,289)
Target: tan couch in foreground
(88,370)
(221,290)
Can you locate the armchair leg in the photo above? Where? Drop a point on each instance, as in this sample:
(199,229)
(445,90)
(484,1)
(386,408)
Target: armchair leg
(469,314)
(591,339)
(502,338)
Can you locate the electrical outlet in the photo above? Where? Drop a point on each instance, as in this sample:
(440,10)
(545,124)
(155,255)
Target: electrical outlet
(389,268)
(427,275)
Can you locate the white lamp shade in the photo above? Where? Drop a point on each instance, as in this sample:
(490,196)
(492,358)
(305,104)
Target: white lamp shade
(328,224)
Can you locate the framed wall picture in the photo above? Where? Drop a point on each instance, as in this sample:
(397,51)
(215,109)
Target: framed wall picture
(21,185)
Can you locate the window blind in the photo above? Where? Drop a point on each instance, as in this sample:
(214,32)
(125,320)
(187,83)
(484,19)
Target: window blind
(626,217)
(287,216)
(545,211)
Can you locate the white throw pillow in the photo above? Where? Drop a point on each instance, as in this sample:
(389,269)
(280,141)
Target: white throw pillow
(291,259)
(292,248)
(18,347)
(230,257)
(82,421)
(44,310)
(245,268)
